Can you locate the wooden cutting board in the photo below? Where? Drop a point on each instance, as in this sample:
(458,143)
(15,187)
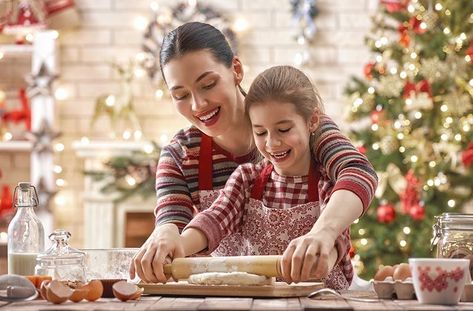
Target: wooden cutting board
(279,289)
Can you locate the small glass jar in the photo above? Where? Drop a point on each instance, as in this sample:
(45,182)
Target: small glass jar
(453,235)
(60,261)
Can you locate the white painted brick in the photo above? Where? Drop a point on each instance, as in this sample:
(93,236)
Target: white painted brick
(340,38)
(251,55)
(21,161)
(326,22)
(372,5)
(68,54)
(16,175)
(127,37)
(94,4)
(77,108)
(68,125)
(257,19)
(113,20)
(84,37)
(94,89)
(5,160)
(85,72)
(341,5)
(140,4)
(352,55)
(266,5)
(318,54)
(108,54)
(222,6)
(353,21)
(265,38)
(283,19)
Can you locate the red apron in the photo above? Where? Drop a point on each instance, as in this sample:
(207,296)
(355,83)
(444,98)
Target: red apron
(231,245)
(268,231)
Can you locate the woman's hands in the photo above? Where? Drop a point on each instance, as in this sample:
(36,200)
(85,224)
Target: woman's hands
(311,256)
(164,243)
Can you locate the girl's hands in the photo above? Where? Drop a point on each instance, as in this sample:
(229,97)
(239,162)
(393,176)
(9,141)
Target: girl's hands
(310,256)
(164,243)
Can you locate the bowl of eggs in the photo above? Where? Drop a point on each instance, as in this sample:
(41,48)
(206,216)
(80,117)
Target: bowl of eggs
(439,280)
(394,282)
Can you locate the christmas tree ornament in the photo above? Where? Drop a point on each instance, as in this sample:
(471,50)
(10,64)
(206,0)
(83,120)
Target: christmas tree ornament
(418,96)
(417,26)
(386,213)
(393,6)
(388,144)
(467,155)
(430,18)
(410,196)
(368,70)
(434,70)
(390,86)
(458,103)
(417,212)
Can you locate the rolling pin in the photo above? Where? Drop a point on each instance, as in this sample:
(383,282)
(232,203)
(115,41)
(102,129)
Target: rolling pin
(182,268)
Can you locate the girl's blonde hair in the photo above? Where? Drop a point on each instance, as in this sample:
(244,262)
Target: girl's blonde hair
(285,84)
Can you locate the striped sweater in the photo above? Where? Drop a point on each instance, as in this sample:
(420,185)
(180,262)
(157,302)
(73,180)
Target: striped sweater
(177,189)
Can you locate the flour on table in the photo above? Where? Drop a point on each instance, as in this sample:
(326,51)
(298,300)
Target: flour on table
(230,278)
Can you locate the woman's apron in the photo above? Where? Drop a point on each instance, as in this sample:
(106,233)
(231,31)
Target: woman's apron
(231,245)
(268,231)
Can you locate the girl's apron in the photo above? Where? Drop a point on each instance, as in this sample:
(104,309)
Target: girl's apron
(268,231)
(231,245)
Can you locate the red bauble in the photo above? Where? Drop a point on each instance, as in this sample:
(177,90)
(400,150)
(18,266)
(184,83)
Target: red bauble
(376,116)
(352,252)
(393,6)
(469,52)
(361,149)
(386,213)
(368,70)
(417,212)
(467,155)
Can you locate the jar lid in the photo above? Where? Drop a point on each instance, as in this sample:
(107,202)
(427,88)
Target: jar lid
(455,221)
(60,252)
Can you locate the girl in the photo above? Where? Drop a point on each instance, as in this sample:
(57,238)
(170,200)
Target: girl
(276,203)
(203,77)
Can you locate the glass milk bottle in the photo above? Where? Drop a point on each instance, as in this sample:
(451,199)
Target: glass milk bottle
(25,231)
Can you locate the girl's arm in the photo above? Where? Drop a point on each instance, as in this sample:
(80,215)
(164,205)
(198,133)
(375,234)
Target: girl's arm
(224,217)
(173,211)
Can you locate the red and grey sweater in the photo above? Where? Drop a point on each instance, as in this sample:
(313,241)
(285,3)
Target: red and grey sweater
(177,189)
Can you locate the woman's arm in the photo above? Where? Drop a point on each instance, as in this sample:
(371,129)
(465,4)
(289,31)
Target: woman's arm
(173,211)
(344,164)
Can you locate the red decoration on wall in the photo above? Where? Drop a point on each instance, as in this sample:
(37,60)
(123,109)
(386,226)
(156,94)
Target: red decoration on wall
(6,201)
(386,213)
(22,114)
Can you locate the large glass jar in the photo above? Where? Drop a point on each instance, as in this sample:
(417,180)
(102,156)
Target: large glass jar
(453,235)
(60,261)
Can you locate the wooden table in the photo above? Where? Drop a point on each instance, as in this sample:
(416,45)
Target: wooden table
(230,303)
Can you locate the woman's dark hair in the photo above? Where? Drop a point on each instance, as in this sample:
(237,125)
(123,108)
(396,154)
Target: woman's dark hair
(195,36)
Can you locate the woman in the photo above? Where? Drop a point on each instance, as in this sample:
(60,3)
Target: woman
(203,77)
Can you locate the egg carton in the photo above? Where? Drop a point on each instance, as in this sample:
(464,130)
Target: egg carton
(390,289)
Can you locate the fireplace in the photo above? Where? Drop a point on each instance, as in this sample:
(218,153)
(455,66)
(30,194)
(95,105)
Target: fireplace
(109,224)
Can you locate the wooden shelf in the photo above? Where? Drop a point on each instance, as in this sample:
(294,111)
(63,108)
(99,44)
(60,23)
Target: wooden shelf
(13,50)
(16,146)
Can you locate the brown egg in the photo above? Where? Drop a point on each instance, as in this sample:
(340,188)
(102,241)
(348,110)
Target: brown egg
(79,294)
(402,272)
(57,292)
(126,291)
(43,288)
(94,290)
(383,273)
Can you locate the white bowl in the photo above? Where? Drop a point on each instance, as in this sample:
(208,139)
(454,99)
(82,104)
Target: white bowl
(439,280)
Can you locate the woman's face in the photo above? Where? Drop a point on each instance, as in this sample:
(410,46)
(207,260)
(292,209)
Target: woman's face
(282,136)
(205,91)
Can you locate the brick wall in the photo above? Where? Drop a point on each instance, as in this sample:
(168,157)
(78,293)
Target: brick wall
(107,33)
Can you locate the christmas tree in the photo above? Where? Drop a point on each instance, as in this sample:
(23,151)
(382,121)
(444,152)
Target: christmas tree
(412,115)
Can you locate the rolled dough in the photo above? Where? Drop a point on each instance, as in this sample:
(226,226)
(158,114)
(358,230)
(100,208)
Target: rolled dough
(229,278)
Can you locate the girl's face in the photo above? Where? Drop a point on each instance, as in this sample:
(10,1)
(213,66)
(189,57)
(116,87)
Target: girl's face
(282,136)
(205,91)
